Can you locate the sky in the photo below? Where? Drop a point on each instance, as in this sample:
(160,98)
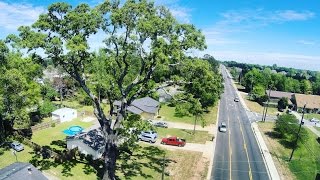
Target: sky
(282,32)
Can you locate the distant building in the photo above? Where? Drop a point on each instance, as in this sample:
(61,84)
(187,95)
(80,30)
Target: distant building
(64,114)
(312,102)
(275,96)
(20,170)
(146,107)
(283,73)
(167,93)
(88,143)
(273,71)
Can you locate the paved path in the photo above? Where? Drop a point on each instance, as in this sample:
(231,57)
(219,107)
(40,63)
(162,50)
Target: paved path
(308,124)
(211,128)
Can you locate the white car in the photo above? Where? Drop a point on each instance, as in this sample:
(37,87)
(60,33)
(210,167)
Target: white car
(223,127)
(17,146)
(148,136)
(314,120)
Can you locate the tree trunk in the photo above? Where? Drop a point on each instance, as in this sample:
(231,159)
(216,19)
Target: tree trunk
(110,160)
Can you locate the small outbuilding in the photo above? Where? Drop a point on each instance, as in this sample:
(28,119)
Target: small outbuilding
(64,114)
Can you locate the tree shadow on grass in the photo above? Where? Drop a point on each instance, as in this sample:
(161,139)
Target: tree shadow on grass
(46,158)
(59,143)
(273,134)
(149,158)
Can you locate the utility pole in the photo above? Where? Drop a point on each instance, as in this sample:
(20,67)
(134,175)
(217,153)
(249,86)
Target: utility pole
(163,165)
(296,142)
(195,123)
(267,105)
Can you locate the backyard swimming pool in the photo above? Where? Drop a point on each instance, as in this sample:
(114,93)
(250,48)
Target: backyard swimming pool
(73,130)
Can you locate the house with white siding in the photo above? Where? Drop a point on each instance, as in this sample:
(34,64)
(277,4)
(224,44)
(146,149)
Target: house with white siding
(88,143)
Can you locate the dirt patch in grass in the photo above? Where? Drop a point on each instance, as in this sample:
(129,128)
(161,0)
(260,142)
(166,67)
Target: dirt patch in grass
(187,165)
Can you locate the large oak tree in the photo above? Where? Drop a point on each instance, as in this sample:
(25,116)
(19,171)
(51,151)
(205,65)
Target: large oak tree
(139,37)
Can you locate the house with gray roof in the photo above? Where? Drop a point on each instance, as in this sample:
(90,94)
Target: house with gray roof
(146,107)
(21,170)
(275,96)
(88,143)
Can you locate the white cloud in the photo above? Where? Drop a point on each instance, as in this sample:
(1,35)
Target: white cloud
(290,15)
(182,14)
(14,15)
(306,42)
(258,17)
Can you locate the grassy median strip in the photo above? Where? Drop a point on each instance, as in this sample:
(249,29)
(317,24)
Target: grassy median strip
(305,162)
(199,137)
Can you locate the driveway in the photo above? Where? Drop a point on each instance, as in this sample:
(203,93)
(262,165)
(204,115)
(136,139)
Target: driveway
(206,148)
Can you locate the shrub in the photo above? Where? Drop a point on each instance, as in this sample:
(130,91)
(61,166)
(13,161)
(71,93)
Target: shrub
(1,151)
(53,124)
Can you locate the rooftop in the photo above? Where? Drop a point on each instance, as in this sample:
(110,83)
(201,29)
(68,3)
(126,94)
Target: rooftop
(93,138)
(19,170)
(146,104)
(279,94)
(63,110)
(312,101)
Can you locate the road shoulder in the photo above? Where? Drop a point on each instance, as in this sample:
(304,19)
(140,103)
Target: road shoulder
(267,158)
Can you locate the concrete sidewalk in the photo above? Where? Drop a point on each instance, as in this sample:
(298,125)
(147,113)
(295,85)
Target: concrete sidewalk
(307,124)
(177,125)
(271,168)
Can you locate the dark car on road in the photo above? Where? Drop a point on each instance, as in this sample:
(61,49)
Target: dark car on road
(161,124)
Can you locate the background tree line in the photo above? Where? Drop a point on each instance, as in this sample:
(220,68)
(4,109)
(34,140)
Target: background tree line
(258,77)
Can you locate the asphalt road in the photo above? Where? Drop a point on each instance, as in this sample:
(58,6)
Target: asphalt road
(237,155)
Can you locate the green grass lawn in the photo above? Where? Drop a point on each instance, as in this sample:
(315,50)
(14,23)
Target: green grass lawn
(46,136)
(305,162)
(199,137)
(256,107)
(310,116)
(144,163)
(168,113)
(8,158)
(147,164)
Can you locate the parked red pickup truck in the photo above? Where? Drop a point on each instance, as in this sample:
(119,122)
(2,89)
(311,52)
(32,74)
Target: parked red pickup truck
(173,141)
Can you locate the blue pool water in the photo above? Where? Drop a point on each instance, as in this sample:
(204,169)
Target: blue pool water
(73,130)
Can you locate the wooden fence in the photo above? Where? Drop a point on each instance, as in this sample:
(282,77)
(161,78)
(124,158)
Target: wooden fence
(45,125)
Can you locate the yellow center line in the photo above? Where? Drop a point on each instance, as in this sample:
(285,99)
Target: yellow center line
(230,150)
(245,148)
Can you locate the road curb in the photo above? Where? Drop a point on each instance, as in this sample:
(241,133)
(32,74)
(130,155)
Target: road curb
(267,159)
(214,145)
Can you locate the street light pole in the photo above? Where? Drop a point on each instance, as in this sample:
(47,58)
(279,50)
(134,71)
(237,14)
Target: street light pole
(301,123)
